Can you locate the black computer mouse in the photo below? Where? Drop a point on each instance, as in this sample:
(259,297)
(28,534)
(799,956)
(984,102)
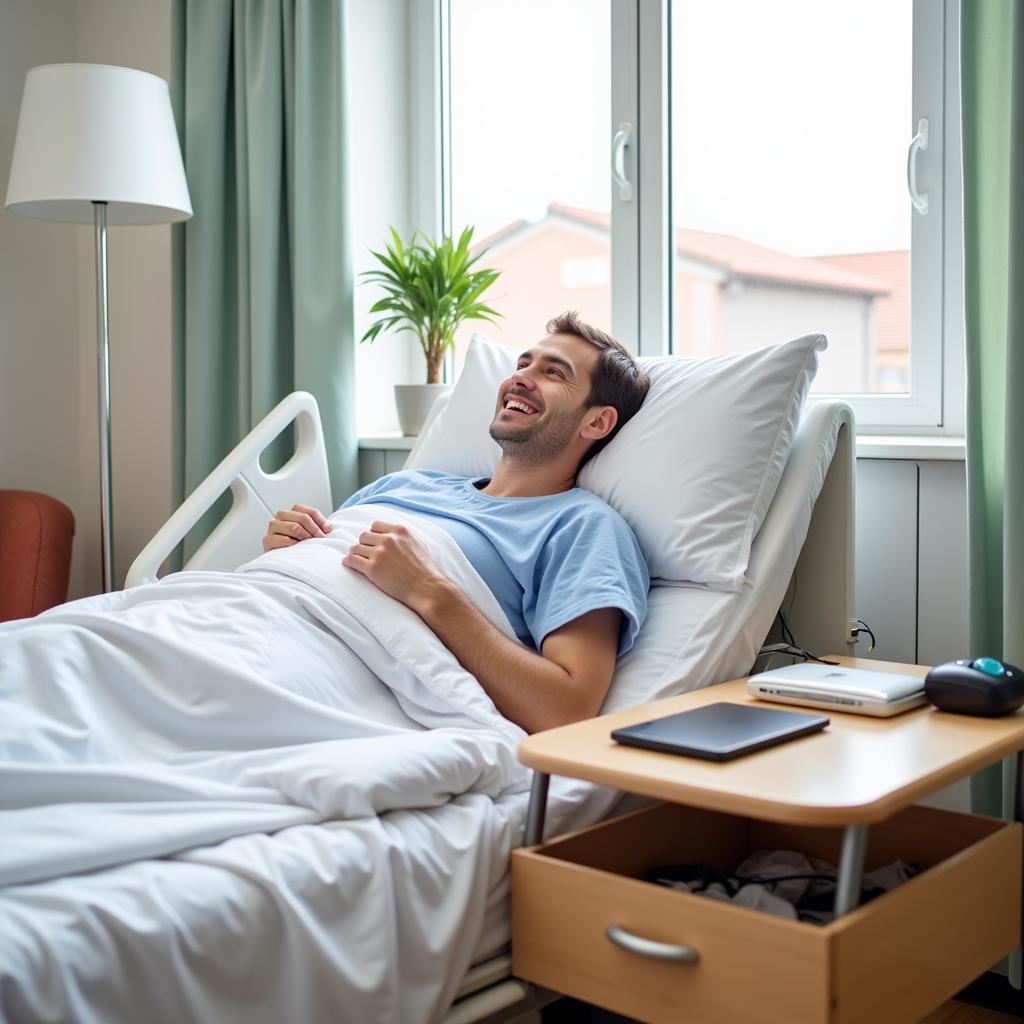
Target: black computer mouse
(975,686)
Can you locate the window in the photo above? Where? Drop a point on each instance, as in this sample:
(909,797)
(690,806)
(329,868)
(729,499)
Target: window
(788,179)
(530,93)
(765,152)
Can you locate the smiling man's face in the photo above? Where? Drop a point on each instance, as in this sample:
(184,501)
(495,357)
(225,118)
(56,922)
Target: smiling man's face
(540,406)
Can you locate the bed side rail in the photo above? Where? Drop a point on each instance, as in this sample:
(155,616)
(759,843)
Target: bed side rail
(256,495)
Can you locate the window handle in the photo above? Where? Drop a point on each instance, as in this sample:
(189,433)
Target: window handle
(622,138)
(650,948)
(918,145)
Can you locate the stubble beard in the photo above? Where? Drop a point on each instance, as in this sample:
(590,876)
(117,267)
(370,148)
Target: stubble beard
(537,444)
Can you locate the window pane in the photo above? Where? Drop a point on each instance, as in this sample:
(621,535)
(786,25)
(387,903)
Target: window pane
(530,114)
(789,132)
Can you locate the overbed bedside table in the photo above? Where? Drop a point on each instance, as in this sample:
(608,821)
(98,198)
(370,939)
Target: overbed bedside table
(585,924)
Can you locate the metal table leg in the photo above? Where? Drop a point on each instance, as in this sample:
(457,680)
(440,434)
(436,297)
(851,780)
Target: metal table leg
(851,869)
(537,809)
(1018,792)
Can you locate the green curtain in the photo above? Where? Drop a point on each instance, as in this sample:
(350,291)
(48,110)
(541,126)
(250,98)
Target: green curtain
(264,278)
(992,96)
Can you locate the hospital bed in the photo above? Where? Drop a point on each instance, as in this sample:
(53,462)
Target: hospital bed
(801,560)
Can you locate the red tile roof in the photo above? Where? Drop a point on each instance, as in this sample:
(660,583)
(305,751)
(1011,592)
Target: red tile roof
(741,258)
(735,256)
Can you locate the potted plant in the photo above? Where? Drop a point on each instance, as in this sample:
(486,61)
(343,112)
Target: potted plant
(430,289)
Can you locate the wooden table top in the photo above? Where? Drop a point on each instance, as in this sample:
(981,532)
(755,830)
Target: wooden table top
(859,770)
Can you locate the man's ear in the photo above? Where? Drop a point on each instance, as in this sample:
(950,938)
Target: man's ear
(599,422)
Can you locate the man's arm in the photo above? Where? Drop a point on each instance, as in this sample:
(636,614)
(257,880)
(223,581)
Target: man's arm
(566,683)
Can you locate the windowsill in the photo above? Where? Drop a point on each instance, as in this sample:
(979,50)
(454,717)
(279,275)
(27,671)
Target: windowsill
(396,442)
(869,446)
(915,448)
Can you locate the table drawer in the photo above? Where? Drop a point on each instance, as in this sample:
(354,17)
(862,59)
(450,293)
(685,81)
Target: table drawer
(894,959)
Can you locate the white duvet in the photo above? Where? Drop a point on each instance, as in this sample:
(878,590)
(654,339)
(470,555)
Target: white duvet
(185,725)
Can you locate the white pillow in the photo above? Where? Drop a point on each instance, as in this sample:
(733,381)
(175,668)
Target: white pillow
(693,472)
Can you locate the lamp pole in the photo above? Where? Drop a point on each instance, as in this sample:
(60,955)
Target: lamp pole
(103,372)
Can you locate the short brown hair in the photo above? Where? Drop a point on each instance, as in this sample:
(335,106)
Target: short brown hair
(616,379)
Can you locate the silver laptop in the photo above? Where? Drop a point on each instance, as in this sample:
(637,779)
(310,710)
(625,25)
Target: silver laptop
(841,689)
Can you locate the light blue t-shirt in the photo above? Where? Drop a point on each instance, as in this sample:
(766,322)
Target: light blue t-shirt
(547,560)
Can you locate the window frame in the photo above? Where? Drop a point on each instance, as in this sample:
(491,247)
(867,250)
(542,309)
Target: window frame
(926,408)
(641,236)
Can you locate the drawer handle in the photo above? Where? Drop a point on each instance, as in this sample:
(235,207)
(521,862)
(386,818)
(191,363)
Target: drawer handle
(650,948)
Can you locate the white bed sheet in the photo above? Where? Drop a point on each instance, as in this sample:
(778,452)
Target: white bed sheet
(331,816)
(263,928)
(271,915)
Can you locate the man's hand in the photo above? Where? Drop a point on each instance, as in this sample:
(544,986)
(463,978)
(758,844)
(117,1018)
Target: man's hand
(395,561)
(289,527)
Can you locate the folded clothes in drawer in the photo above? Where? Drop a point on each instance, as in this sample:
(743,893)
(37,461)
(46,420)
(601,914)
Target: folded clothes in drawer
(894,959)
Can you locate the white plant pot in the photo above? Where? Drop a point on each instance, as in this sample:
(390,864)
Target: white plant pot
(413,402)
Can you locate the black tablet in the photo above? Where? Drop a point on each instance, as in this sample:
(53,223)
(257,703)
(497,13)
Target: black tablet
(719,732)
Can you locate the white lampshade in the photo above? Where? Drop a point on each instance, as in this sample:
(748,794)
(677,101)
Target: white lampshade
(93,133)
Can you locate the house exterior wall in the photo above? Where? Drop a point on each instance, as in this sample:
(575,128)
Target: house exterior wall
(698,309)
(551,267)
(756,315)
(542,275)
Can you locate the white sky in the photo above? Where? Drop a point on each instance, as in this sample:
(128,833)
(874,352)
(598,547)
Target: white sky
(791,118)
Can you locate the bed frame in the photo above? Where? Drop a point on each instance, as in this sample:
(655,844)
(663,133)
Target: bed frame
(817,595)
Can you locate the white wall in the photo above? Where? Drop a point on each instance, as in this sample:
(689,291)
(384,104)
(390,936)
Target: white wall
(40,380)
(778,312)
(382,182)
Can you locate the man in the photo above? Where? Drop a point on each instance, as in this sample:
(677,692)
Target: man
(564,566)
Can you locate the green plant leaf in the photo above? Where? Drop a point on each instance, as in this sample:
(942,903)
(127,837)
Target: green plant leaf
(429,288)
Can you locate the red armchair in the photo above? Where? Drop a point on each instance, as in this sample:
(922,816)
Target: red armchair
(35,553)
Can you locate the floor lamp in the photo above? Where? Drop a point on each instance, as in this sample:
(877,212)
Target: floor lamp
(97,145)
